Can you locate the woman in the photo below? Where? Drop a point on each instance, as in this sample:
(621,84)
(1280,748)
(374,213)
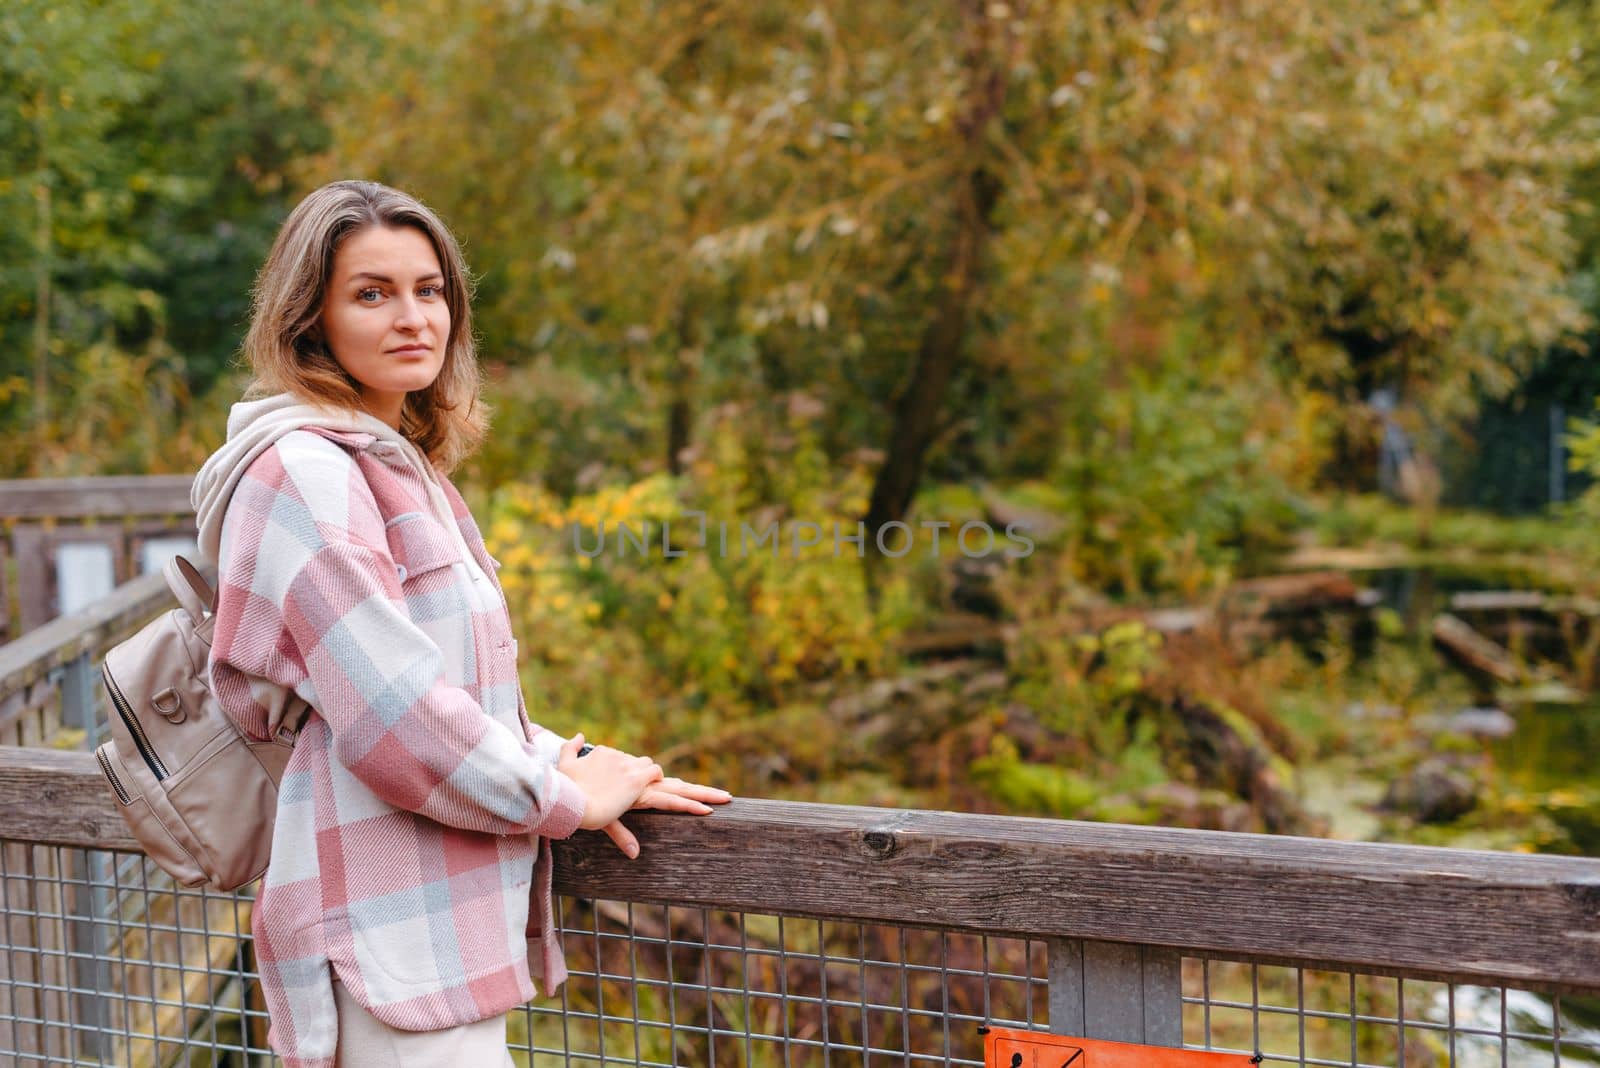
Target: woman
(393,925)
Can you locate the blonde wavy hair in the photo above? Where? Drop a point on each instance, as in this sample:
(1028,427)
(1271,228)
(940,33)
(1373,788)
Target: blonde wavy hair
(284,346)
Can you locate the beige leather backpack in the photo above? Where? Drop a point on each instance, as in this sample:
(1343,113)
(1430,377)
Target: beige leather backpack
(197,794)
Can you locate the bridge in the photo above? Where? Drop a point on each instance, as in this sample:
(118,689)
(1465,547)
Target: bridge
(785,933)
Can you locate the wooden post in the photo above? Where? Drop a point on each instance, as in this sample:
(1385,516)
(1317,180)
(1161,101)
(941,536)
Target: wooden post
(7,624)
(1115,991)
(30,547)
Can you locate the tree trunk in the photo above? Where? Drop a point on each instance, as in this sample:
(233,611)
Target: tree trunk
(41,296)
(680,411)
(916,414)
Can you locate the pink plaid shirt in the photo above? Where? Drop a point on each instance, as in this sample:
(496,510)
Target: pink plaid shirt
(414,816)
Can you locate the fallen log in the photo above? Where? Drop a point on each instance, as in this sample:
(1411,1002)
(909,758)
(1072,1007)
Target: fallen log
(1530,601)
(1498,601)
(957,634)
(1179,620)
(1296,594)
(1472,650)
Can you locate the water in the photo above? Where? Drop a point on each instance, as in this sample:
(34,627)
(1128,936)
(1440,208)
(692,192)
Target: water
(1551,756)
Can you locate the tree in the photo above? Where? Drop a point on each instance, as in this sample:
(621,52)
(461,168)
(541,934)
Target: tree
(141,175)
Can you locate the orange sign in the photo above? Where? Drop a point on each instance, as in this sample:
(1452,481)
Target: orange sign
(1005,1047)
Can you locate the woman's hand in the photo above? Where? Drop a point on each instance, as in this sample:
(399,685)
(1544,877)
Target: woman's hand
(664,794)
(668,795)
(612,782)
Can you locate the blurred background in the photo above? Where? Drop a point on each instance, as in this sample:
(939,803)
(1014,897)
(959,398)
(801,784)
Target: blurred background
(1271,322)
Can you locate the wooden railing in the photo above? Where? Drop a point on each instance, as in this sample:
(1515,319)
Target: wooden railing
(1126,915)
(49,677)
(103,525)
(1445,914)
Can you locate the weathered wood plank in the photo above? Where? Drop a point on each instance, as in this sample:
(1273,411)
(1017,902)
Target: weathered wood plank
(42,553)
(7,627)
(1512,917)
(96,628)
(59,797)
(30,547)
(112,496)
(1532,921)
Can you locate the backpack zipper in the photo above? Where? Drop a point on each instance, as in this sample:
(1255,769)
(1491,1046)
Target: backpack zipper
(116,784)
(141,741)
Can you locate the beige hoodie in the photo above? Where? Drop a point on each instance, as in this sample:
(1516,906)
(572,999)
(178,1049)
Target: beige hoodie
(254,425)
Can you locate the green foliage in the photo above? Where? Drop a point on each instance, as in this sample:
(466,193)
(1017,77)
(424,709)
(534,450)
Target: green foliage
(1169,485)
(1583,443)
(726,629)
(686,204)
(142,175)
(1088,687)
(1033,789)
(676,205)
(1556,551)
(1093,692)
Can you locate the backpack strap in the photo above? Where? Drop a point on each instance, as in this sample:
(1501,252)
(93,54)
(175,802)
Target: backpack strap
(191,588)
(200,601)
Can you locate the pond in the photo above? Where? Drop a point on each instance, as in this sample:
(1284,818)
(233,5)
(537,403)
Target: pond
(1550,755)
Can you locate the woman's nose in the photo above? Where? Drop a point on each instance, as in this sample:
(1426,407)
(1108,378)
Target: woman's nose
(409,314)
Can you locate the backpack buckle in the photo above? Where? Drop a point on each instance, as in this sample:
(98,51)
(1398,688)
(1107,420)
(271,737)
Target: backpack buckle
(170,705)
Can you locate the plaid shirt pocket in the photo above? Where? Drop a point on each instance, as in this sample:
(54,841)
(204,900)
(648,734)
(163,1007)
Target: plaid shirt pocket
(419,546)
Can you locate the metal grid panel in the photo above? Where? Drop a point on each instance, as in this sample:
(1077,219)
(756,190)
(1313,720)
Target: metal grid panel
(661,985)
(673,985)
(103,961)
(1307,1016)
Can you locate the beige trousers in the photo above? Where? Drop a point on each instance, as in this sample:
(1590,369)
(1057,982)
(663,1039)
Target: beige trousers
(367,1042)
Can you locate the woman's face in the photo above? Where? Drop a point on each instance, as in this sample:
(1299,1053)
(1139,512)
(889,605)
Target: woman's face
(384,317)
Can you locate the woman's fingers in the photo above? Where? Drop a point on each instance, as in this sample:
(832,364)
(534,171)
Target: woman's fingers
(711,795)
(665,802)
(675,795)
(623,838)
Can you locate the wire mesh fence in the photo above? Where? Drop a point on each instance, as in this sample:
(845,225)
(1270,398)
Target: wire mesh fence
(665,985)
(1312,1016)
(103,961)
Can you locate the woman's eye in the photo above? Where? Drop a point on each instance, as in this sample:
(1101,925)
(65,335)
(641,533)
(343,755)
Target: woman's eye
(436,290)
(362,295)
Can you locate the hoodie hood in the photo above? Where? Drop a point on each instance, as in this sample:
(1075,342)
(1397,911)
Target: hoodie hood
(252,428)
